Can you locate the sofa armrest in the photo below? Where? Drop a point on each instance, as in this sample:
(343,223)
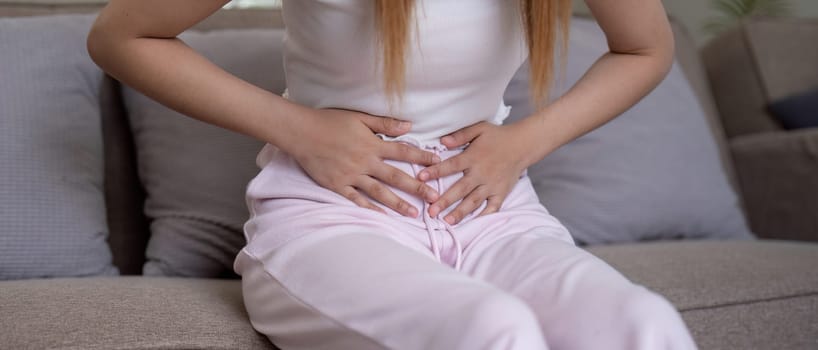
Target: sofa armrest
(778,177)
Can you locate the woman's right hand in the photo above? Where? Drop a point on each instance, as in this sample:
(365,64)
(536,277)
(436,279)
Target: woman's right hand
(339,150)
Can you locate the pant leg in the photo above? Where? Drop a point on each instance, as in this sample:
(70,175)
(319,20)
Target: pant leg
(580,301)
(367,291)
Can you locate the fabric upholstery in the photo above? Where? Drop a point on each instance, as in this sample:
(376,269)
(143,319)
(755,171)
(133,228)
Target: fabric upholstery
(778,173)
(126,313)
(760,61)
(704,274)
(799,111)
(194,173)
(732,295)
(785,61)
(52,207)
(689,60)
(738,294)
(124,195)
(736,85)
(651,173)
(788,323)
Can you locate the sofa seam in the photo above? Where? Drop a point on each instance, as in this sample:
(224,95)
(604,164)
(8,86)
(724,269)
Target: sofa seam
(310,306)
(749,302)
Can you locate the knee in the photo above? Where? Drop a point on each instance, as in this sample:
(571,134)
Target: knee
(501,321)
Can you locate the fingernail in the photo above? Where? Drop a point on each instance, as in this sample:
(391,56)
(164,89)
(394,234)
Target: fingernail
(449,219)
(433,211)
(436,159)
(431,197)
(404,125)
(423,176)
(446,139)
(413,212)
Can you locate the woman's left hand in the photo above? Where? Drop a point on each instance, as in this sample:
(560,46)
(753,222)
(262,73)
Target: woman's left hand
(491,164)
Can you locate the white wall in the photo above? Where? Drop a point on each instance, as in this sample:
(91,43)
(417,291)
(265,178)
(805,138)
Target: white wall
(693,13)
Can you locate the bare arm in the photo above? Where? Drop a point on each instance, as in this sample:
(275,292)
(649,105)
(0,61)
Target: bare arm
(641,53)
(136,42)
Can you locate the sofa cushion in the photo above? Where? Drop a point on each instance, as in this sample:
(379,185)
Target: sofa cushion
(789,323)
(760,61)
(194,173)
(778,174)
(52,209)
(734,294)
(751,294)
(652,173)
(126,313)
(798,111)
(785,54)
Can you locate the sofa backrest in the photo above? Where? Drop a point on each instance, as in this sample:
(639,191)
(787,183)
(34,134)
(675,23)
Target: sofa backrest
(129,228)
(750,67)
(687,54)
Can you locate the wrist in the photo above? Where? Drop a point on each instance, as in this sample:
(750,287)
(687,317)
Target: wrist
(296,130)
(534,138)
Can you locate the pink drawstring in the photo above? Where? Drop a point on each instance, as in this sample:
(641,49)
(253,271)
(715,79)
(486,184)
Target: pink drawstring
(432,223)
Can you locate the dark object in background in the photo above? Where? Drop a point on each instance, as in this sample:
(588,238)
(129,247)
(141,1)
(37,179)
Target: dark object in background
(797,111)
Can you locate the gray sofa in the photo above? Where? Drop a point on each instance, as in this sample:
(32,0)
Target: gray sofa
(759,294)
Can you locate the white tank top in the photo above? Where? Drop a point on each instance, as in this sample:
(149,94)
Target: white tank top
(461,57)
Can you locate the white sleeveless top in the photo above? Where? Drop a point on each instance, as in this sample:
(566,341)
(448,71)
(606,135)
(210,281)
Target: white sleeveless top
(461,57)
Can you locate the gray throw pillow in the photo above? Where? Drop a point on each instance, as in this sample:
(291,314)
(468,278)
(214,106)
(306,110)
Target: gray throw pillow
(194,173)
(52,207)
(652,173)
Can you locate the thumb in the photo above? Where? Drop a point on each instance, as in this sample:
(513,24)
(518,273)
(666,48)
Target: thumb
(462,136)
(385,125)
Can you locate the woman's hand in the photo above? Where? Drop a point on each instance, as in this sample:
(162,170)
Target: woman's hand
(492,165)
(339,150)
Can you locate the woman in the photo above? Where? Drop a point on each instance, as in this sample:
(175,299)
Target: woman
(418,230)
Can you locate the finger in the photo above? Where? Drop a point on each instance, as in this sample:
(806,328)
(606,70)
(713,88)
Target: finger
(399,179)
(356,197)
(381,193)
(459,190)
(469,204)
(385,125)
(462,136)
(447,167)
(492,205)
(402,152)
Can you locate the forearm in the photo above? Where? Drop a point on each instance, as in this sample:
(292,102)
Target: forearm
(641,46)
(173,74)
(613,84)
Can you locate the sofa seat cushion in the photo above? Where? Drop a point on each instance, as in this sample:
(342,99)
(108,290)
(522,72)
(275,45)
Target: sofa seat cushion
(125,313)
(759,294)
(732,294)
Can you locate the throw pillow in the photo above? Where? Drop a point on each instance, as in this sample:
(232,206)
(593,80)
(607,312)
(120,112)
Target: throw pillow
(194,173)
(651,173)
(798,111)
(52,206)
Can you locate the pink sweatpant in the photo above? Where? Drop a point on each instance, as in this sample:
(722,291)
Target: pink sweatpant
(318,273)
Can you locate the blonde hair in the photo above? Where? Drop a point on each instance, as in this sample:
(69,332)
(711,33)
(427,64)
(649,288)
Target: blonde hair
(542,20)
